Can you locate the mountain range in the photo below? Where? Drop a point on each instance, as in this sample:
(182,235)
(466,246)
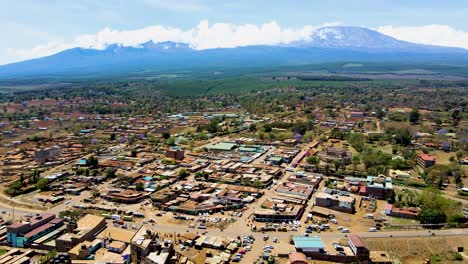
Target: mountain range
(328,44)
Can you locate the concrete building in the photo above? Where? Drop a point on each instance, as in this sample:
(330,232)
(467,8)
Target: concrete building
(309,245)
(297,258)
(336,154)
(176,154)
(47,154)
(379,187)
(336,202)
(425,160)
(22,234)
(85,229)
(143,243)
(358,247)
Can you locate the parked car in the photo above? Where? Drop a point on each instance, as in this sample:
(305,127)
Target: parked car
(372,229)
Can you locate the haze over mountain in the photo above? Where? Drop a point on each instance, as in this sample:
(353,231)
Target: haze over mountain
(328,44)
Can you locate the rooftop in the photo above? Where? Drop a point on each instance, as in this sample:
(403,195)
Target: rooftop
(308,242)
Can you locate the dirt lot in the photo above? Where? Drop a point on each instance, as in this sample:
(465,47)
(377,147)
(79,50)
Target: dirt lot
(416,250)
(442,157)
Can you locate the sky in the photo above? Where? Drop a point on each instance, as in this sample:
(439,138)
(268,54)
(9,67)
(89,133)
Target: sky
(36,28)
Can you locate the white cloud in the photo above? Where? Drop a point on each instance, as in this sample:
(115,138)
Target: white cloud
(203,36)
(441,35)
(206,35)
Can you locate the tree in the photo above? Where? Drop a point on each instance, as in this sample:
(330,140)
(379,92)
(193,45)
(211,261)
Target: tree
(170,141)
(313,160)
(414,116)
(355,161)
(267,128)
(432,216)
(110,173)
(34,177)
(139,187)
(42,184)
(357,141)
(133,153)
(257,184)
(402,136)
(166,135)
(253,127)
(92,162)
(460,154)
(112,137)
(183,173)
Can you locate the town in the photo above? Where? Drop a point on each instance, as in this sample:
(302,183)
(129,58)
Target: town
(229,184)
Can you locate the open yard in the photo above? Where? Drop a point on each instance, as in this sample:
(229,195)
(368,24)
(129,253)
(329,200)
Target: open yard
(417,250)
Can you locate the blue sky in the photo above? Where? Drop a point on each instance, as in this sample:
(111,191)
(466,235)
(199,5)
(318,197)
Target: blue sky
(32,28)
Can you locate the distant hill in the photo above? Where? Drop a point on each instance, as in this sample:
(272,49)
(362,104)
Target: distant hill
(329,44)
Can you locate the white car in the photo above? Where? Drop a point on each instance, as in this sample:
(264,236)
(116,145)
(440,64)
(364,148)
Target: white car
(345,230)
(372,229)
(334,221)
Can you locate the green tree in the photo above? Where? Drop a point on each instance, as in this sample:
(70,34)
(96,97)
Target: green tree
(357,141)
(313,160)
(432,216)
(267,128)
(402,136)
(110,173)
(170,141)
(355,161)
(414,116)
(140,187)
(257,184)
(183,173)
(133,153)
(42,184)
(92,162)
(166,135)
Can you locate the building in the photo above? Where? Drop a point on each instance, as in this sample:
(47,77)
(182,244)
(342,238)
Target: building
(126,196)
(85,229)
(47,154)
(23,234)
(357,114)
(221,147)
(410,213)
(84,249)
(278,213)
(336,202)
(297,258)
(143,243)
(336,154)
(309,245)
(425,160)
(379,187)
(176,154)
(399,174)
(358,246)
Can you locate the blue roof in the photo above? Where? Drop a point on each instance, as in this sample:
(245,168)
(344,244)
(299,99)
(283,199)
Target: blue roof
(308,242)
(148,178)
